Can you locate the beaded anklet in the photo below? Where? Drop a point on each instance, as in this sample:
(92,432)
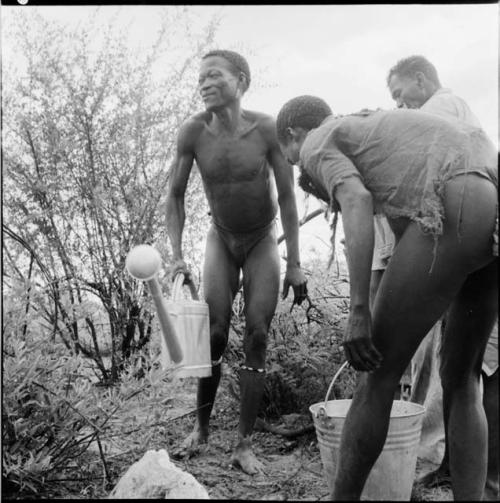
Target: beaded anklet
(244,367)
(216,362)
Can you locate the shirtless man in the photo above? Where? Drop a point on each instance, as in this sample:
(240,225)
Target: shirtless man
(437,182)
(237,154)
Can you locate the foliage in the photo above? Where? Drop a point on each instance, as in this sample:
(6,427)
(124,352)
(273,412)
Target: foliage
(89,132)
(49,413)
(56,423)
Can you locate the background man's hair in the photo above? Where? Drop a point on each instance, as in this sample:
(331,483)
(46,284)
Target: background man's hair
(407,67)
(307,112)
(238,62)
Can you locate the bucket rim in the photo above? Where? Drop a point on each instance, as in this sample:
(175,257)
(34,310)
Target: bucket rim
(316,407)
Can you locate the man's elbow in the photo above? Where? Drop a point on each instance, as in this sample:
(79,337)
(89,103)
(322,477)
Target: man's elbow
(175,195)
(356,197)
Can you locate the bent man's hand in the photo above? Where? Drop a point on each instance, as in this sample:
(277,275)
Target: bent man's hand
(296,279)
(179,266)
(358,346)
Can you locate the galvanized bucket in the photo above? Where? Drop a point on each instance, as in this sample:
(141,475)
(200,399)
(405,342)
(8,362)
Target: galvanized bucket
(391,478)
(190,318)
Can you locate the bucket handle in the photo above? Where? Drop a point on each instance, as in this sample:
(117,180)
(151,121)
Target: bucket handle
(179,280)
(322,409)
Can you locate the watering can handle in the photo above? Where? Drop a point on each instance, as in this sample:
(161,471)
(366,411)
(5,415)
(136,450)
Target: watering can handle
(178,282)
(333,382)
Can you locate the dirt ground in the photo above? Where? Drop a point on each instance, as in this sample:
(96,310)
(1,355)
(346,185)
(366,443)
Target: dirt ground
(293,469)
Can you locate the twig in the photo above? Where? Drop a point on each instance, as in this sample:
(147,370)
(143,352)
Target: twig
(303,221)
(280,430)
(103,459)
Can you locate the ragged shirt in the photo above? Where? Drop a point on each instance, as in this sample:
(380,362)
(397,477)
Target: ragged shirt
(403,157)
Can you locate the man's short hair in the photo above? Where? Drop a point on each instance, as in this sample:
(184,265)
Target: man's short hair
(408,67)
(238,62)
(306,111)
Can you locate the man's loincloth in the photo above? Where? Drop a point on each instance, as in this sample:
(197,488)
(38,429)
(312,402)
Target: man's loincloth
(240,244)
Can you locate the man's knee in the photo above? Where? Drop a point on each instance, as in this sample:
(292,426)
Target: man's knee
(455,380)
(218,339)
(255,345)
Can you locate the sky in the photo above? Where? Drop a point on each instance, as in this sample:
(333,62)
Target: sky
(342,53)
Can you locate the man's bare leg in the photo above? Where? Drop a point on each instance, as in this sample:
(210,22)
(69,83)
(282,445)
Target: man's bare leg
(261,288)
(205,396)
(468,326)
(220,278)
(490,402)
(252,388)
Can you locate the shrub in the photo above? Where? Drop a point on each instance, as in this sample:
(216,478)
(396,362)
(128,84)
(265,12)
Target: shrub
(49,413)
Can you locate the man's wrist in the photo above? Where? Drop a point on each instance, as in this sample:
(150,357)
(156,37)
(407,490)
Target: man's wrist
(292,264)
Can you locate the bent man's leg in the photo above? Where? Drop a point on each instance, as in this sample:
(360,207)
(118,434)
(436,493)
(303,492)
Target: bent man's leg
(490,402)
(469,323)
(261,287)
(410,300)
(220,280)
(406,307)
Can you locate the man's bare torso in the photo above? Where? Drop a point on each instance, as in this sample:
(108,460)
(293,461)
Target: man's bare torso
(236,174)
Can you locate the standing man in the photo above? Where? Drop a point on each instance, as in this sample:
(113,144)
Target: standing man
(414,83)
(238,155)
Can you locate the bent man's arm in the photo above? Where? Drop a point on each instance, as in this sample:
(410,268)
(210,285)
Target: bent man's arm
(179,176)
(357,218)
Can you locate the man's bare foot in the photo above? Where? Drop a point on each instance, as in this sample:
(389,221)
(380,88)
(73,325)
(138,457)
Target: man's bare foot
(244,458)
(191,445)
(436,478)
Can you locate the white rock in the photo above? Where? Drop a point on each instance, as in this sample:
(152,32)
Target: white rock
(155,476)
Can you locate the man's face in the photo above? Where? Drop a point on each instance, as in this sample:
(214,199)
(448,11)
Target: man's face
(407,92)
(291,150)
(218,86)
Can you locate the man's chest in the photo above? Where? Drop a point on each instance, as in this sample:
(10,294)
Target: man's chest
(227,159)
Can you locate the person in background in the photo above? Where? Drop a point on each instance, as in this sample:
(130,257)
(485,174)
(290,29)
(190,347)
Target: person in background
(437,182)
(414,83)
(237,154)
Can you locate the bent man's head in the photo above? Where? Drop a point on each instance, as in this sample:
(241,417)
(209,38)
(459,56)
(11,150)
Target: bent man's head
(412,81)
(224,78)
(295,119)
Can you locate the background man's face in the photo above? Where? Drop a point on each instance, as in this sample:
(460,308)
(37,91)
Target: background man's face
(406,92)
(218,86)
